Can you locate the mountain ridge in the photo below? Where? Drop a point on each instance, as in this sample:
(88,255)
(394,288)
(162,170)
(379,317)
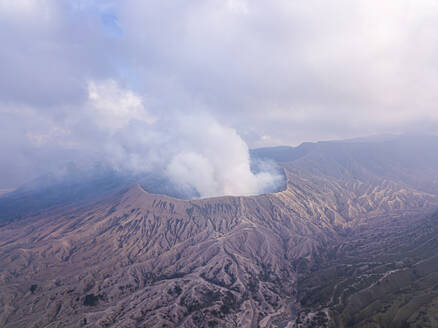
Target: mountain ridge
(131,258)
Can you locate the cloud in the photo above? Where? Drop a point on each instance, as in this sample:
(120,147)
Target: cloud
(362,66)
(113,127)
(115,107)
(194,152)
(142,80)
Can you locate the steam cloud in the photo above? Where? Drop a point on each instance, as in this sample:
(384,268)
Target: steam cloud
(215,161)
(192,151)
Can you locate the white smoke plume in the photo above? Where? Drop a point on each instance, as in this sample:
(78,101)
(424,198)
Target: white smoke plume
(193,151)
(215,161)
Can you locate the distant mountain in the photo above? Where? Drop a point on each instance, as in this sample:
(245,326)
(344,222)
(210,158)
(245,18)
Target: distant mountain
(411,160)
(69,187)
(74,186)
(350,242)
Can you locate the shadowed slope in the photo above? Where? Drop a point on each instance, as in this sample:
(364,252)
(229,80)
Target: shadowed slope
(128,258)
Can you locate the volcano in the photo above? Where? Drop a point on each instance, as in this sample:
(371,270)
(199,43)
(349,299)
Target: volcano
(351,240)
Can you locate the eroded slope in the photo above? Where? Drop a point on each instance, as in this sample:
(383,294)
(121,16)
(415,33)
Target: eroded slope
(141,260)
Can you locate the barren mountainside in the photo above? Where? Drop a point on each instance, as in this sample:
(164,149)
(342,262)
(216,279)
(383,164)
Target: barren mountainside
(354,220)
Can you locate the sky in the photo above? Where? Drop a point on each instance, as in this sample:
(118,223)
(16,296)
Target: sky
(186,87)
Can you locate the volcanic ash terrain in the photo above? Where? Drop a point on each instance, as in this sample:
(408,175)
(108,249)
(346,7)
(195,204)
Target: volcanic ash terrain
(351,223)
